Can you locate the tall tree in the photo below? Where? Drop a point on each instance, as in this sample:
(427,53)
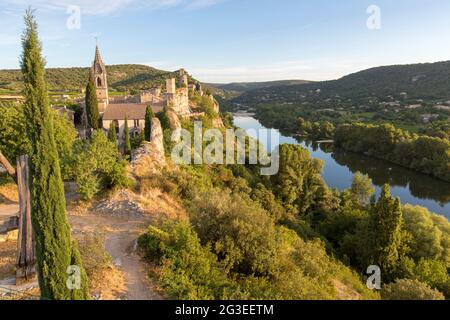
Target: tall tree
(92,113)
(148,123)
(385,228)
(362,189)
(127,145)
(55,250)
(112,133)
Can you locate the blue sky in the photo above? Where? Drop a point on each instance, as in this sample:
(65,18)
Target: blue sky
(235,40)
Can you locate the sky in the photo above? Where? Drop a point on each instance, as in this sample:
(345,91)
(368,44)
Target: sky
(226,41)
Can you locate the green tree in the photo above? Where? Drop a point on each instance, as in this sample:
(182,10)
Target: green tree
(298,184)
(55,250)
(148,123)
(410,290)
(385,228)
(112,133)
(362,189)
(93,116)
(127,144)
(97,165)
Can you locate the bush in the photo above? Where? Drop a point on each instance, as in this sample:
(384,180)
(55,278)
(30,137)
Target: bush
(188,271)
(406,289)
(97,165)
(241,234)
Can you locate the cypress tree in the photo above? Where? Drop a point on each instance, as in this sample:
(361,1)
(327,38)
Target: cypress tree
(126,132)
(112,133)
(148,123)
(92,113)
(385,227)
(55,250)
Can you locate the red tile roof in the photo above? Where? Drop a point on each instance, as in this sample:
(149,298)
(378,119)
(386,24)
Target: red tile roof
(134,111)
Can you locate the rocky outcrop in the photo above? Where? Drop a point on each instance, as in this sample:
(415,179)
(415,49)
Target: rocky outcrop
(174,120)
(157,142)
(218,123)
(150,158)
(175,124)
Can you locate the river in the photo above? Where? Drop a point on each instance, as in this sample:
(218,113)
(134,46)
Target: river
(339,167)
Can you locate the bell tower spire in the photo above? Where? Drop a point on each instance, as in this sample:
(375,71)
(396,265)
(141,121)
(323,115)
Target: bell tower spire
(101,80)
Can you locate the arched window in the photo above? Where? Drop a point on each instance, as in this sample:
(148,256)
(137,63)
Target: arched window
(99,82)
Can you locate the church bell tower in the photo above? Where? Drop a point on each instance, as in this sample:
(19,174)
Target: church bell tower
(101,81)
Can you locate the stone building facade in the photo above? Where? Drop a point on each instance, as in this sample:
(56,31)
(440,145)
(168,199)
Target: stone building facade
(101,81)
(133,107)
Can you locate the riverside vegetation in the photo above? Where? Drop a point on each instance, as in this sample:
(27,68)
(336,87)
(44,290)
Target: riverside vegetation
(290,237)
(243,235)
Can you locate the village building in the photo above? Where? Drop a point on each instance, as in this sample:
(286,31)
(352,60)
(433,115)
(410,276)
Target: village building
(133,107)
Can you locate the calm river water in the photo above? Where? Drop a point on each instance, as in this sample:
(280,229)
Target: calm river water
(339,167)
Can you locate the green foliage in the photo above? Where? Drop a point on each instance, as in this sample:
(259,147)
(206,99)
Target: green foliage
(385,229)
(14,140)
(298,183)
(92,113)
(112,132)
(316,130)
(127,142)
(362,189)
(406,289)
(94,254)
(189,270)
(421,153)
(54,248)
(97,166)
(430,234)
(245,239)
(148,123)
(121,78)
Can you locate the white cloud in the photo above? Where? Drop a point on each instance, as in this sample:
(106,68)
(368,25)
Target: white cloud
(315,70)
(197,4)
(103,7)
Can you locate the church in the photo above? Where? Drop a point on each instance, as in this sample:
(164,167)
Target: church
(133,108)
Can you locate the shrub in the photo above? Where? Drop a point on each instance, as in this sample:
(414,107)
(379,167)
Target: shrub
(187,269)
(406,289)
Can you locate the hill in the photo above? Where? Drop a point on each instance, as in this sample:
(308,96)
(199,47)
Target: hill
(247,86)
(424,81)
(120,78)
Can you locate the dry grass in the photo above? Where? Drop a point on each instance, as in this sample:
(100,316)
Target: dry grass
(156,199)
(105,281)
(9,193)
(8,259)
(108,283)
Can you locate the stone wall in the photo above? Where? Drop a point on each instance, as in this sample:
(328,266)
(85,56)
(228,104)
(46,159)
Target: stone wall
(179,102)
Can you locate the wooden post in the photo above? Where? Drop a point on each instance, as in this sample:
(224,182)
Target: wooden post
(26,255)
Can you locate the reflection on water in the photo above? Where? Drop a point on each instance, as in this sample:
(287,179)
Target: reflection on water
(339,167)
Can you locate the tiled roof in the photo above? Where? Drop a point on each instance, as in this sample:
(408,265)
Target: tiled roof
(133,111)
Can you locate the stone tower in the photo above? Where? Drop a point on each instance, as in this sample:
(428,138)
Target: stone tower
(183,79)
(101,81)
(171,87)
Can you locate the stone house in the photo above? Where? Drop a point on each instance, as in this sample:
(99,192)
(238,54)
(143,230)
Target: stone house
(135,114)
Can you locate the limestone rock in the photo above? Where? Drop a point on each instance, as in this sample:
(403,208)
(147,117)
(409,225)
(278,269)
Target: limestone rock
(157,142)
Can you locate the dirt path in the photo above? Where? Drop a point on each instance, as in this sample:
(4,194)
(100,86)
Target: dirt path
(121,226)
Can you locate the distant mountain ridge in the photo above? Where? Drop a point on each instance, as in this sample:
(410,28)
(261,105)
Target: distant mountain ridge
(246,86)
(424,81)
(120,77)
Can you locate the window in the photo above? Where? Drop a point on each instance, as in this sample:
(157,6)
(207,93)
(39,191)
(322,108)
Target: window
(99,82)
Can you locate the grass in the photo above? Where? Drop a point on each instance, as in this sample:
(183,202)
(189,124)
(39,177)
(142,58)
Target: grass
(8,259)
(105,280)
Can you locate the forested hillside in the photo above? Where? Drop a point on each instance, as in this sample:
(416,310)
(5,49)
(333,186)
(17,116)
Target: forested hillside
(120,77)
(424,81)
(246,86)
